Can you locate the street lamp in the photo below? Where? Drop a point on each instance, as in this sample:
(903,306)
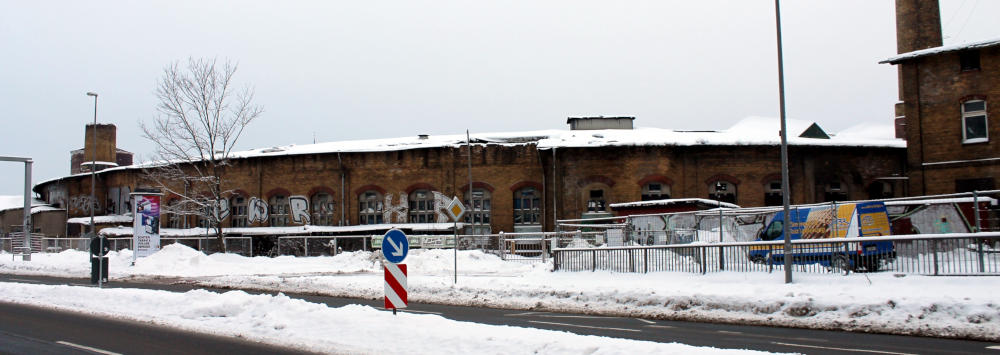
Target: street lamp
(93,197)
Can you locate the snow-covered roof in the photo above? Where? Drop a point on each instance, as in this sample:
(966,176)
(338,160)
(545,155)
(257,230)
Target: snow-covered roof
(292,230)
(942,49)
(101,219)
(749,131)
(673,201)
(14,202)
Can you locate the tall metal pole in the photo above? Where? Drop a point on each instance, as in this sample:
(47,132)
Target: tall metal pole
(785,191)
(27,209)
(93,197)
(468,142)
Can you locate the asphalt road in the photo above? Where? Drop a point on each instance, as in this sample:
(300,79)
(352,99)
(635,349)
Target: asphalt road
(32,330)
(692,333)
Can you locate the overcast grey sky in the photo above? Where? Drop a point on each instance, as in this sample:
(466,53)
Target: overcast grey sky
(343,70)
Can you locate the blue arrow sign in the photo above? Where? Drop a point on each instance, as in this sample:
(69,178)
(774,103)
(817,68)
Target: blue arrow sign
(395,246)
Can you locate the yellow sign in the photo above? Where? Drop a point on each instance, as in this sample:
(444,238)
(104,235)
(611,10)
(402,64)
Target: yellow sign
(456,209)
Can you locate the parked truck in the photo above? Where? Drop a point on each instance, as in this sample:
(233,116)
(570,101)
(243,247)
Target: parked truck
(848,220)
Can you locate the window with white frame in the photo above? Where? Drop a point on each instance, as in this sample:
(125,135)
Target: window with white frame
(974,127)
(322,209)
(370,207)
(655,191)
(477,214)
(278,214)
(422,207)
(527,207)
(238,211)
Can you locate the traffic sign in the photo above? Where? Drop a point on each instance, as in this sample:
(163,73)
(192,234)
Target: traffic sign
(395,246)
(456,209)
(395,286)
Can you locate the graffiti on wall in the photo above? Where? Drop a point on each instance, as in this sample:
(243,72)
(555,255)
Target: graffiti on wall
(119,200)
(401,209)
(299,209)
(57,195)
(84,204)
(256,210)
(222,210)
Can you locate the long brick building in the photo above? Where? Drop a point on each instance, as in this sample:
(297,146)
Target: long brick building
(521,181)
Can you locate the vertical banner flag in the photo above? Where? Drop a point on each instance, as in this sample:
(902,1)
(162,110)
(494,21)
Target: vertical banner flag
(146,224)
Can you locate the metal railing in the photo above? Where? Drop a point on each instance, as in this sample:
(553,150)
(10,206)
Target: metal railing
(935,254)
(239,245)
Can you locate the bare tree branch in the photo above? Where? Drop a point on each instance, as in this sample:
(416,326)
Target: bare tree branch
(198,122)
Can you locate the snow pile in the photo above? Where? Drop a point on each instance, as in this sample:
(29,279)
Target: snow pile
(284,321)
(878,302)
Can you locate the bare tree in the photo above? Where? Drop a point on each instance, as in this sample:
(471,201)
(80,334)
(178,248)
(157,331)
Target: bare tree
(200,117)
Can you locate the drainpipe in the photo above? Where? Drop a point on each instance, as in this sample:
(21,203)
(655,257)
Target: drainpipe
(343,196)
(555,189)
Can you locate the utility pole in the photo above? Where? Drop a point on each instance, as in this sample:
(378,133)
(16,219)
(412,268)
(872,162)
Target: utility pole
(785,191)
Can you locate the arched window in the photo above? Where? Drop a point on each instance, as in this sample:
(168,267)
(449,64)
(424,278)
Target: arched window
(322,209)
(278,210)
(422,207)
(655,191)
(478,213)
(370,207)
(772,193)
(834,191)
(596,201)
(527,207)
(174,219)
(722,190)
(974,126)
(238,211)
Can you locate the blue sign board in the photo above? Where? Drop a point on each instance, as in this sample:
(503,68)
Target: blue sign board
(395,246)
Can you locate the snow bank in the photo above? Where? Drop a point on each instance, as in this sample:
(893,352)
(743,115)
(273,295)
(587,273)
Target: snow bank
(960,307)
(284,321)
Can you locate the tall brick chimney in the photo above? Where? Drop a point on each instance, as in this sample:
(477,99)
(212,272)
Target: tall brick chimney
(918,26)
(106,148)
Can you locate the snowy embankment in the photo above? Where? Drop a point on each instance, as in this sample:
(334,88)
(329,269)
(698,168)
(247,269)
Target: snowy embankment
(352,329)
(961,307)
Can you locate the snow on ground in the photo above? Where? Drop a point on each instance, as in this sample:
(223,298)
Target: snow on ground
(964,307)
(354,329)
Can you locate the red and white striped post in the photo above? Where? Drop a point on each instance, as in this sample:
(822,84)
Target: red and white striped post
(395,286)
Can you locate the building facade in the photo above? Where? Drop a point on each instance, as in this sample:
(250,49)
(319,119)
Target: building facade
(948,110)
(521,182)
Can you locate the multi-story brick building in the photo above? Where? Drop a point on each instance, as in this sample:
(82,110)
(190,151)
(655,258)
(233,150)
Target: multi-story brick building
(946,114)
(522,181)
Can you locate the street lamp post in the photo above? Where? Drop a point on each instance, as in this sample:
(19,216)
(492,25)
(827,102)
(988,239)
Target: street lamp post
(785,192)
(93,197)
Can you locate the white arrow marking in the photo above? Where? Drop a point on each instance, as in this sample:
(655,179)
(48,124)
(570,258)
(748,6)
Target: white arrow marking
(398,247)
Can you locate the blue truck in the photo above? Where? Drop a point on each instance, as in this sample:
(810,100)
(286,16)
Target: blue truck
(829,222)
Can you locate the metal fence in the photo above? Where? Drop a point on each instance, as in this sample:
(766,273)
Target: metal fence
(938,254)
(239,245)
